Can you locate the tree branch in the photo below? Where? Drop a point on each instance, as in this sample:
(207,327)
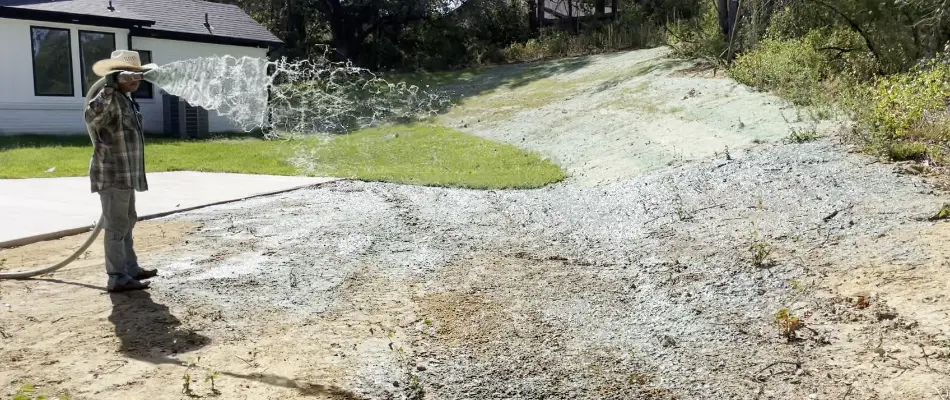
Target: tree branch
(840,49)
(854,26)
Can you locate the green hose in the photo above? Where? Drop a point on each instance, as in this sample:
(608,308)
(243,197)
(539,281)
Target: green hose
(95,231)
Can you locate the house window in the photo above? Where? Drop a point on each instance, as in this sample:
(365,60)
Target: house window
(93,46)
(52,62)
(145,88)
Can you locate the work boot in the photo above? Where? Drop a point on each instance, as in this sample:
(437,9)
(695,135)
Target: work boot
(139,273)
(129,284)
(145,274)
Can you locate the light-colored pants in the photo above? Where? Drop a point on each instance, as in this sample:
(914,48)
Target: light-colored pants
(118,207)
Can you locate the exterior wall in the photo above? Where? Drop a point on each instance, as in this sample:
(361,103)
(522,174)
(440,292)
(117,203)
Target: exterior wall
(21,111)
(165,51)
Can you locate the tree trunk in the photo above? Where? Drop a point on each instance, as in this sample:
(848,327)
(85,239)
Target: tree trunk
(600,7)
(733,16)
(296,30)
(347,44)
(722,7)
(570,15)
(541,5)
(533,21)
(613,9)
(734,8)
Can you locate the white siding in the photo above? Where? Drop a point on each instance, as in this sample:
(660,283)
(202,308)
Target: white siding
(165,51)
(20,110)
(23,112)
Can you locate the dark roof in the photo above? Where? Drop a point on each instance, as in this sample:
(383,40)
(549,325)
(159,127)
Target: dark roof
(173,19)
(188,17)
(67,10)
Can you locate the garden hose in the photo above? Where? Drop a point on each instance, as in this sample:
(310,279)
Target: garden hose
(95,231)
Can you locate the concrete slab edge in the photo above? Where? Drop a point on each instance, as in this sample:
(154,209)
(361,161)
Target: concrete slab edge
(75,231)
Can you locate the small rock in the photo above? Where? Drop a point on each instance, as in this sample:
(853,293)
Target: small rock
(886,315)
(420,367)
(667,341)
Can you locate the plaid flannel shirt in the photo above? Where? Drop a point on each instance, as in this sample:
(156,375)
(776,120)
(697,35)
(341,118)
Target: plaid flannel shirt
(118,159)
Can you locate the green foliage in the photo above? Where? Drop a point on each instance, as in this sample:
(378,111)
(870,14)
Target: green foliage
(901,103)
(811,70)
(635,29)
(906,116)
(475,34)
(791,68)
(908,151)
(943,213)
(860,57)
(760,250)
(210,376)
(802,135)
(699,37)
(788,324)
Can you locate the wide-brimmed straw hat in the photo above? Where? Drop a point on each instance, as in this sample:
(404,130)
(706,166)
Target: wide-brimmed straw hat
(125,60)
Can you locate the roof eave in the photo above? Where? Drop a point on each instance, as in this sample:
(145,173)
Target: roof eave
(200,38)
(71,18)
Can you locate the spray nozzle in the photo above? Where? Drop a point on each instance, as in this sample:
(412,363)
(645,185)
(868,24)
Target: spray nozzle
(152,75)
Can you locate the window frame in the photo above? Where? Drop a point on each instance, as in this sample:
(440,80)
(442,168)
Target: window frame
(149,85)
(69,51)
(82,62)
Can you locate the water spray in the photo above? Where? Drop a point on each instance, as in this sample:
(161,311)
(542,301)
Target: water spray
(280,98)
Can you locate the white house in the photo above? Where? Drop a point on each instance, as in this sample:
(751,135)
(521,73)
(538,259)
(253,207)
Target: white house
(47,48)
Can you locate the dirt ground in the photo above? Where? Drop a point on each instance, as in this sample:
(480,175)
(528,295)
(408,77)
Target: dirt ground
(667,282)
(65,335)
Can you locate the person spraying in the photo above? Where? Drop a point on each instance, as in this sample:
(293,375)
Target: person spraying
(117,166)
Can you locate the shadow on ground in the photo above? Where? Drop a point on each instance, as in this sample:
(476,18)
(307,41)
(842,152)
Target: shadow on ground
(149,332)
(60,281)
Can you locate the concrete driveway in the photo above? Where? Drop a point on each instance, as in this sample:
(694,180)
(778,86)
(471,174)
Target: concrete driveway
(39,209)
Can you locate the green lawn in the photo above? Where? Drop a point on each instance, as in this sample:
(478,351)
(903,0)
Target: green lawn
(414,154)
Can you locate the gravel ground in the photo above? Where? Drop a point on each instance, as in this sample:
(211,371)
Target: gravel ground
(641,288)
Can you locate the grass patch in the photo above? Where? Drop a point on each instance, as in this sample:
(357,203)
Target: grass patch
(30,156)
(802,135)
(430,155)
(908,151)
(29,392)
(411,154)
